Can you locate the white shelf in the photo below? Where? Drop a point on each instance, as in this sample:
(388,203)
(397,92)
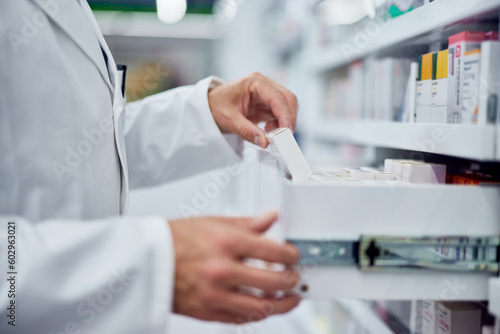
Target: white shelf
(421,21)
(347,210)
(465,141)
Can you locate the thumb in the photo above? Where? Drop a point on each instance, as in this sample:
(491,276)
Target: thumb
(263,223)
(249,131)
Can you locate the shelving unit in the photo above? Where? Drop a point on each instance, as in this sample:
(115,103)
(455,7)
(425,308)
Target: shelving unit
(424,26)
(389,209)
(347,212)
(431,18)
(464,141)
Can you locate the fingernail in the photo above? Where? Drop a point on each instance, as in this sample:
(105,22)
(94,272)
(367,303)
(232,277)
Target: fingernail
(260,141)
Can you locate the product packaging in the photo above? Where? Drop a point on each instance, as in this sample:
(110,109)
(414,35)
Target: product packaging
(489,82)
(439,90)
(424,80)
(464,50)
(424,173)
(285,147)
(429,316)
(458,318)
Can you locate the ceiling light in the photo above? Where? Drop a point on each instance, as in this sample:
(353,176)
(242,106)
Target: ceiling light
(171,11)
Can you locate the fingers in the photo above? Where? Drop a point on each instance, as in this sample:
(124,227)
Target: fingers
(271,125)
(263,223)
(268,281)
(282,102)
(258,224)
(254,246)
(250,308)
(273,98)
(293,105)
(209,269)
(221,316)
(259,248)
(248,130)
(224,317)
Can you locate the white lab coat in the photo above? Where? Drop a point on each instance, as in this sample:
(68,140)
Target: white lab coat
(65,174)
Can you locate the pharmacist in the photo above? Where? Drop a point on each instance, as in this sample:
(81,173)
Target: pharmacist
(69,152)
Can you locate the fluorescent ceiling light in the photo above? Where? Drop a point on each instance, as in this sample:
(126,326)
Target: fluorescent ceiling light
(171,11)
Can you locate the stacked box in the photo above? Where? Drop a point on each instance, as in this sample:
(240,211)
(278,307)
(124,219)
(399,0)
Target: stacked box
(424,81)
(489,82)
(439,90)
(429,317)
(284,146)
(458,318)
(463,76)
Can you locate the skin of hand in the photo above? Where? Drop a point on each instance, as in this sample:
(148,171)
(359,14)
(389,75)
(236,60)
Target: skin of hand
(209,273)
(238,106)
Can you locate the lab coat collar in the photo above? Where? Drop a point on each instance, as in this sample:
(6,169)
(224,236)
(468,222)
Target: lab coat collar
(71,19)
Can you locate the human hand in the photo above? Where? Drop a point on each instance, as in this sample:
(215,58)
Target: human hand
(238,106)
(209,255)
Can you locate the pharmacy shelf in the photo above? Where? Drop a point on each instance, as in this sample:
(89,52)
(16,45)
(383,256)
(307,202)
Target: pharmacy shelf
(420,22)
(464,141)
(326,211)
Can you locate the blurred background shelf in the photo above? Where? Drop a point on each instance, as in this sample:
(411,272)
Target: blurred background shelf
(364,314)
(425,20)
(458,140)
(144,24)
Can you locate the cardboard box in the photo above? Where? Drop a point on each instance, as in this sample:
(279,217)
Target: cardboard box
(429,317)
(463,47)
(284,146)
(424,81)
(383,176)
(360,174)
(354,107)
(379,175)
(389,164)
(324,178)
(408,113)
(416,317)
(424,173)
(399,166)
(470,86)
(458,318)
(489,82)
(439,89)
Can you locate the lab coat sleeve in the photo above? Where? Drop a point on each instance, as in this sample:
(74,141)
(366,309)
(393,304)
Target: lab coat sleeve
(105,276)
(173,135)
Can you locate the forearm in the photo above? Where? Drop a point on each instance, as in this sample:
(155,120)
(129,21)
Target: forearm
(100,276)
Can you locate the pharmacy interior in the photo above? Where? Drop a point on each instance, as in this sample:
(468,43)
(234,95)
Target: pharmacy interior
(398,216)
